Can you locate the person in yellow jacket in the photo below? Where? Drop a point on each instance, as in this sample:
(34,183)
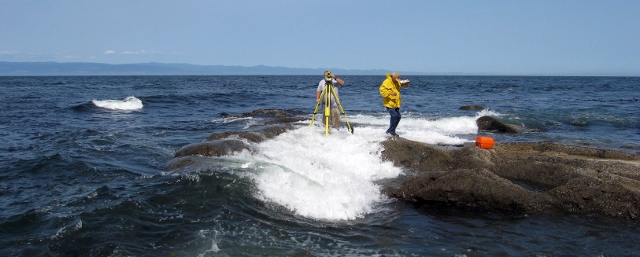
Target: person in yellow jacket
(390,91)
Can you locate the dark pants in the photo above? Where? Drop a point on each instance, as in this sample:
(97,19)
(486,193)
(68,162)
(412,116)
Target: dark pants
(395,119)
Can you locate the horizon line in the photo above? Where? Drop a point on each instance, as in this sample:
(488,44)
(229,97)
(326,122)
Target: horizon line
(301,70)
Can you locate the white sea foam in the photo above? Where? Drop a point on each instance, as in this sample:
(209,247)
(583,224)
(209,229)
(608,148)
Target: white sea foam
(129,103)
(334,177)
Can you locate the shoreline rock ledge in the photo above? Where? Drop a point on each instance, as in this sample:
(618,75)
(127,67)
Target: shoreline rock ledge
(536,177)
(525,178)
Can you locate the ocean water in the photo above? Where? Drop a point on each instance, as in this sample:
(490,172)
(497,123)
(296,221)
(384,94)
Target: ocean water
(83,167)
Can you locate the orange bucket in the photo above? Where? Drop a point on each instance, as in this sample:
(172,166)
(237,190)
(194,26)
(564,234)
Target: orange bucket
(484,142)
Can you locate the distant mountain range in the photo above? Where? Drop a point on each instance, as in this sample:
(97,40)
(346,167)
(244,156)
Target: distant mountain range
(83,68)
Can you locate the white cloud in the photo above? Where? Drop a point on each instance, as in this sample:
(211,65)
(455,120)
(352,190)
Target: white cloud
(137,52)
(141,52)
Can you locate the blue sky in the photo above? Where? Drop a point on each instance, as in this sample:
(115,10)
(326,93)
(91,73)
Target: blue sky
(511,37)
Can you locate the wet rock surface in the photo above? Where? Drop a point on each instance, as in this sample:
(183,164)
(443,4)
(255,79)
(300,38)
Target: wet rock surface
(489,123)
(471,108)
(273,123)
(518,177)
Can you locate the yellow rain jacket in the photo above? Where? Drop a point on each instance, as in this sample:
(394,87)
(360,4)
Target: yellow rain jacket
(388,86)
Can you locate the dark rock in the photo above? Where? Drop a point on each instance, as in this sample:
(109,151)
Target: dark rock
(492,124)
(255,135)
(226,143)
(471,108)
(272,113)
(213,148)
(181,162)
(465,188)
(566,149)
(519,177)
(249,136)
(271,116)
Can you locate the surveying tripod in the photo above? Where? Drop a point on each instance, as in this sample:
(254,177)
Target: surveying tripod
(325,97)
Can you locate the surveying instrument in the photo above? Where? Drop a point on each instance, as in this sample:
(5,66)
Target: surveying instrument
(327,94)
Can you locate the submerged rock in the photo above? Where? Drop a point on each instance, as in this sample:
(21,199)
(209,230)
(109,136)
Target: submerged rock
(227,143)
(254,135)
(212,148)
(519,177)
(471,108)
(272,113)
(492,124)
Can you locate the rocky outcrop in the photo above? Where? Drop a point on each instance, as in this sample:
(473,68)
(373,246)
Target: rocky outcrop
(518,177)
(471,108)
(226,143)
(489,123)
(537,177)
(274,123)
(255,135)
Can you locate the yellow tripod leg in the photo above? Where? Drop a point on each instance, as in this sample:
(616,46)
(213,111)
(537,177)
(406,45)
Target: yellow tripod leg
(327,109)
(313,118)
(342,110)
